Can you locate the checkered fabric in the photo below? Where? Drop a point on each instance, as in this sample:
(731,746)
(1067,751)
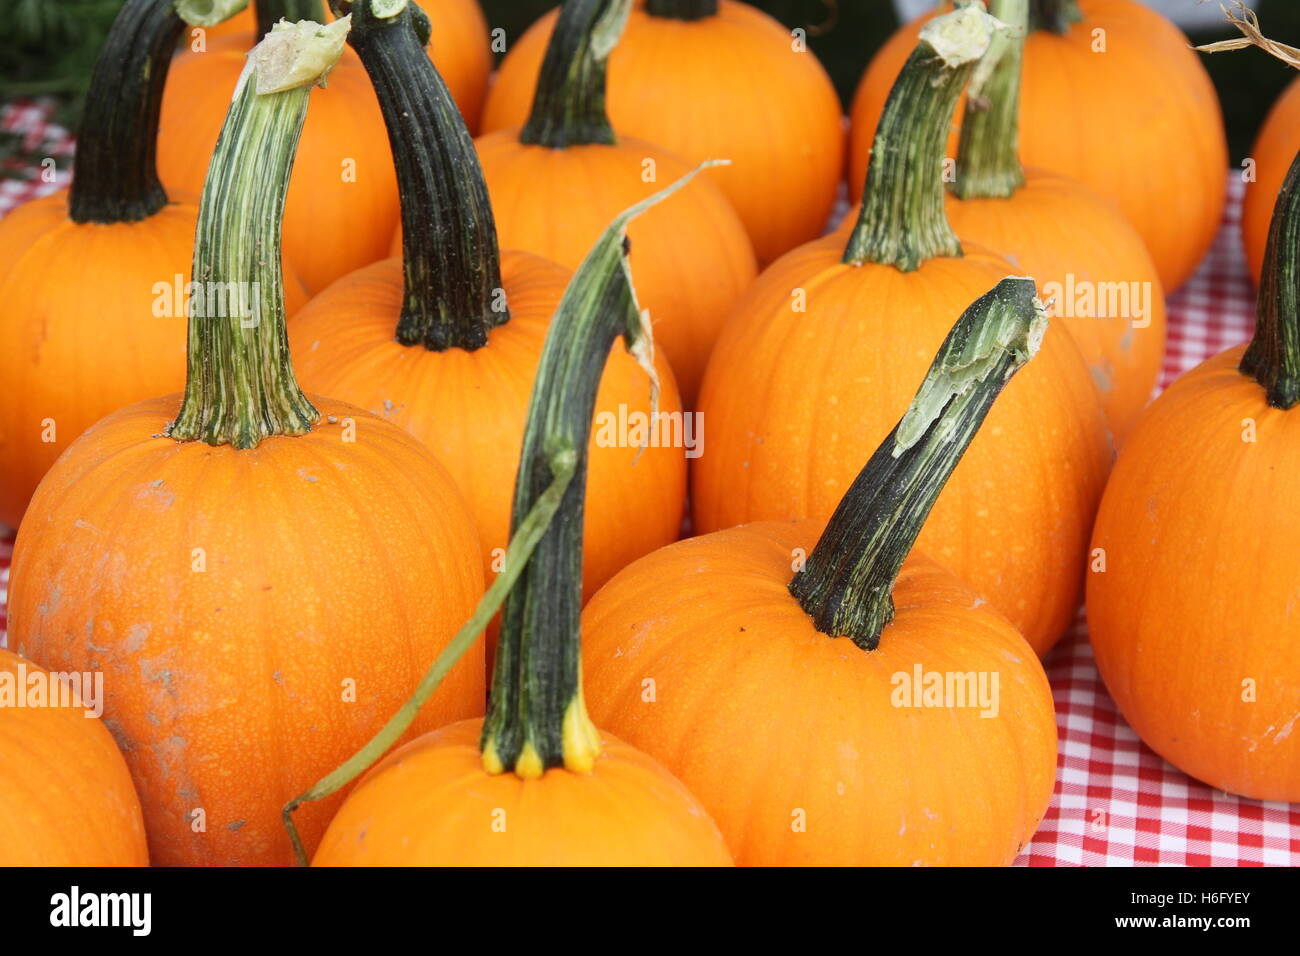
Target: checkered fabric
(1116,802)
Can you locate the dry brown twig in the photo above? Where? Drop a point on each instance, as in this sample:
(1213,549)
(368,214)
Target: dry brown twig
(1244,19)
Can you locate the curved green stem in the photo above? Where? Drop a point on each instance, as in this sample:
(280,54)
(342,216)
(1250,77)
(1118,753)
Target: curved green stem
(271,12)
(682,9)
(116,178)
(902,222)
(847,582)
(240,386)
(1273,356)
(1056,16)
(518,552)
(451,262)
(569,103)
(536,718)
(988,157)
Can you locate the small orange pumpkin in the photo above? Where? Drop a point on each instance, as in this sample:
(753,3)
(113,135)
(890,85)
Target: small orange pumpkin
(536,784)
(1278,141)
(1104,81)
(470,324)
(556,183)
(860,706)
(257,580)
(1091,265)
(92,279)
(812,370)
(66,798)
(342,205)
(713,79)
(1193,591)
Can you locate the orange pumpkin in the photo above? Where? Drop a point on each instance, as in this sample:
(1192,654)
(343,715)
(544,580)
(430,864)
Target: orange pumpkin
(536,783)
(259,581)
(713,79)
(1278,141)
(818,719)
(1192,592)
(556,183)
(812,370)
(66,798)
(342,206)
(92,279)
(1089,262)
(459,371)
(1104,81)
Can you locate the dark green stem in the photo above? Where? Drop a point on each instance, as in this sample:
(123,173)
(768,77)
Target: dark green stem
(116,177)
(902,221)
(271,12)
(536,718)
(240,386)
(682,9)
(988,157)
(1273,356)
(450,259)
(1054,15)
(569,103)
(847,582)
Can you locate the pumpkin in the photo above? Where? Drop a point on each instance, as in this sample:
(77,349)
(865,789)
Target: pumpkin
(92,278)
(259,579)
(556,183)
(1192,587)
(470,324)
(1090,264)
(844,701)
(342,206)
(66,798)
(713,79)
(1097,74)
(536,783)
(812,368)
(1278,141)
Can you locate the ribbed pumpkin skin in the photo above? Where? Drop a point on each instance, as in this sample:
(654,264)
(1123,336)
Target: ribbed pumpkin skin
(1275,148)
(725,87)
(469,408)
(325,561)
(1053,228)
(691,259)
(1086,115)
(332,224)
(1199,592)
(431,804)
(66,798)
(761,716)
(796,402)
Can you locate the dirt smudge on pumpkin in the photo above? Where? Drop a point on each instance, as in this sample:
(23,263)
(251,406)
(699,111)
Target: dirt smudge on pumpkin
(136,637)
(154,496)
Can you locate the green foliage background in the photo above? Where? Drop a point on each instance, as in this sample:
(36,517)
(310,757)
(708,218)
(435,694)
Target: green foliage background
(47,47)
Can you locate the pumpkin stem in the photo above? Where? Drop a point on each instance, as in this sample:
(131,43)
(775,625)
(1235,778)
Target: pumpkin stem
(902,222)
(116,178)
(682,9)
(569,103)
(451,263)
(240,387)
(847,582)
(1273,356)
(1054,15)
(518,552)
(271,12)
(536,716)
(988,157)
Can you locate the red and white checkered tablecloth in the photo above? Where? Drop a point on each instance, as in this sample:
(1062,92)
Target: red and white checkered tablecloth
(1116,802)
